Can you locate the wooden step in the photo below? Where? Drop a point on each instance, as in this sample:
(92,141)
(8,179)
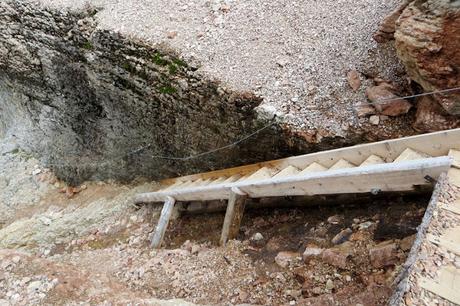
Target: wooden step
(446,284)
(409,154)
(288,171)
(219,180)
(450,240)
(196,183)
(372,160)
(342,164)
(184,185)
(233,178)
(314,167)
(176,185)
(456,156)
(262,173)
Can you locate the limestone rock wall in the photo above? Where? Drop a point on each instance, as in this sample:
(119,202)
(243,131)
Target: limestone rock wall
(83,99)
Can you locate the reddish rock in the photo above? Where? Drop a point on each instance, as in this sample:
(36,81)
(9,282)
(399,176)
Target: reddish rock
(431,116)
(395,107)
(427,42)
(383,254)
(364,110)
(387,28)
(283,259)
(354,80)
(342,236)
(406,243)
(338,256)
(311,253)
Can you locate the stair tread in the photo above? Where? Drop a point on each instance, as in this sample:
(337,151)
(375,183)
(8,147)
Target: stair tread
(262,173)
(173,186)
(372,160)
(409,154)
(219,180)
(288,171)
(314,167)
(456,155)
(445,284)
(232,178)
(342,164)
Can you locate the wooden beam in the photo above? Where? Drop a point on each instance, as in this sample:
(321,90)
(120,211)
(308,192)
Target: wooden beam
(385,177)
(433,144)
(233,215)
(162,225)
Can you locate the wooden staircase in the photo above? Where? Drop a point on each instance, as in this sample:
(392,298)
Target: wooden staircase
(393,165)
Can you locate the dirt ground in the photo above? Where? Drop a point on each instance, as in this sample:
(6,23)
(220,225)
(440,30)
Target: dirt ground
(111,262)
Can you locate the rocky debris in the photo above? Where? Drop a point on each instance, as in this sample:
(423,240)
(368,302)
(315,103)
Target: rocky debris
(73,239)
(364,110)
(285,258)
(431,117)
(338,256)
(384,91)
(383,254)
(374,120)
(342,236)
(257,237)
(354,79)
(426,41)
(335,219)
(387,28)
(311,252)
(406,243)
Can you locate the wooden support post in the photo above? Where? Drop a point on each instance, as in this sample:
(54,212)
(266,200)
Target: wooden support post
(160,230)
(233,215)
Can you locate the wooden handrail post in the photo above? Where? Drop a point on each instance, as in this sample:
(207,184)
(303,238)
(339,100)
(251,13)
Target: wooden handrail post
(162,225)
(233,215)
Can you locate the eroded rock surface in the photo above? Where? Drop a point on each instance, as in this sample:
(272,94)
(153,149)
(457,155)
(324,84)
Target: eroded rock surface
(109,90)
(427,41)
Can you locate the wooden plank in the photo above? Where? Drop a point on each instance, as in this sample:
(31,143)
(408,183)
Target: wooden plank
(452,208)
(450,240)
(409,154)
(433,144)
(454,176)
(386,177)
(314,167)
(342,164)
(372,160)
(263,173)
(233,215)
(288,171)
(162,225)
(446,285)
(456,155)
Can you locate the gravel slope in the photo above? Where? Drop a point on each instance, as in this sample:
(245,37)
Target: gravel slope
(294,54)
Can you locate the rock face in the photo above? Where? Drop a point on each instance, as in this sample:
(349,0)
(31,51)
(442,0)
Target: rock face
(85,99)
(427,41)
(104,94)
(431,117)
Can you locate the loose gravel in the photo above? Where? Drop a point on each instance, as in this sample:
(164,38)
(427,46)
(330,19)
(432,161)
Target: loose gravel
(294,54)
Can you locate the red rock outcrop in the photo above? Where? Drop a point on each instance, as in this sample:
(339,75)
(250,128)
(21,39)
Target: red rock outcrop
(431,117)
(427,40)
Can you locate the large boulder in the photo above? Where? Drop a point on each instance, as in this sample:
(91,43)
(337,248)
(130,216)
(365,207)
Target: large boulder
(427,41)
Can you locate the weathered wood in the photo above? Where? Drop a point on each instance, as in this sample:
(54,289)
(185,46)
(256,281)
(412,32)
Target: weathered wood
(385,177)
(233,215)
(446,284)
(162,225)
(433,144)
